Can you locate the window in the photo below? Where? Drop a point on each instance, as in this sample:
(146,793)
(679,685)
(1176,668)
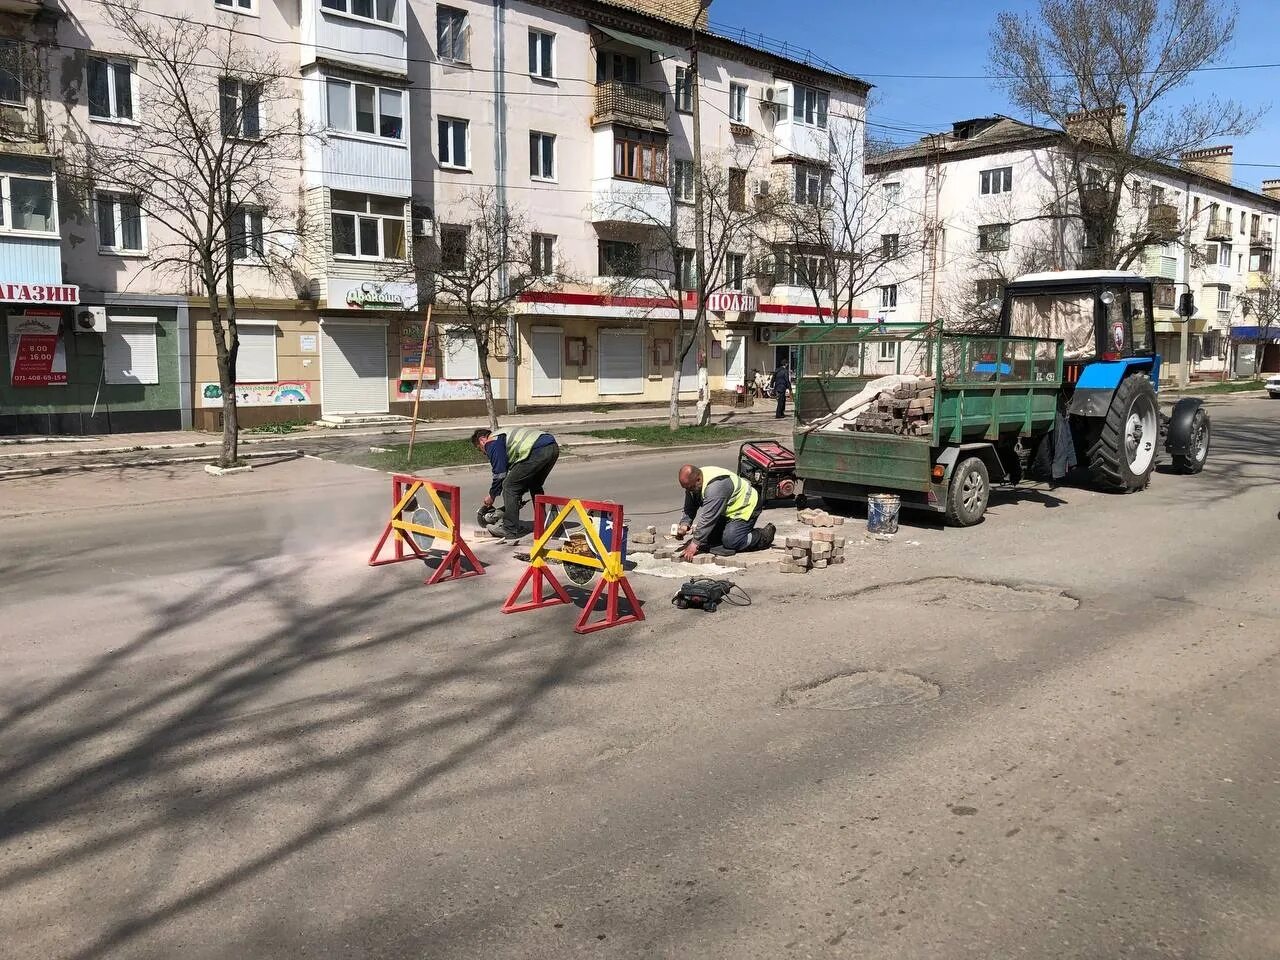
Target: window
(383,10)
(247,240)
(616,66)
(367,227)
(811,182)
(1166,296)
(738,191)
(1224,299)
(738,102)
(889,243)
(119,222)
(1243,217)
(110,89)
(27,203)
(808,106)
(1195,208)
(1224,254)
(542,156)
(998,180)
(639,155)
(889,296)
(11,72)
(461,356)
(987,290)
(542,48)
(240,107)
(682,175)
(129,351)
(256,360)
(543,249)
(453,136)
(1260,262)
(683,91)
(364,108)
(801,270)
(1255,225)
(452,34)
(236,5)
(619,259)
(453,247)
(735,269)
(993,236)
(892,191)
(888,351)
(686,270)
(1157,194)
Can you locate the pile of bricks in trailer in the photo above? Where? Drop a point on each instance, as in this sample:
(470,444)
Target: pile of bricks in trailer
(822,548)
(906,409)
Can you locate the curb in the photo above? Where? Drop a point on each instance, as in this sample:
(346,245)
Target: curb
(21,472)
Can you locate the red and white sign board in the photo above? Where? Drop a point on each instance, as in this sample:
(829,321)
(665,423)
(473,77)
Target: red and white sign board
(725,301)
(61,293)
(37,354)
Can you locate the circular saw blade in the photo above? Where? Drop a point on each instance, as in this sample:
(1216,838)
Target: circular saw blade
(425,516)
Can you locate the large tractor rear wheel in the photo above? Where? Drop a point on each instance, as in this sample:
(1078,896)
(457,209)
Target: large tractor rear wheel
(1122,450)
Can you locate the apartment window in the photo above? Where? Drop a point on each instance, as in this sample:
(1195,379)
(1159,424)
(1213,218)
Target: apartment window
(452,33)
(365,108)
(735,270)
(453,136)
(247,239)
(616,66)
(1157,194)
(236,5)
(1260,262)
(683,91)
(453,247)
(686,270)
(240,108)
(888,351)
(811,182)
(1224,299)
(543,249)
(1243,217)
(256,359)
(1255,225)
(542,48)
(808,106)
(381,10)
(1195,207)
(27,203)
(119,222)
(619,259)
(110,89)
(542,156)
(738,191)
(889,243)
(987,290)
(889,296)
(801,270)
(1224,254)
(738,102)
(892,191)
(997,180)
(993,236)
(367,227)
(639,155)
(11,73)
(682,175)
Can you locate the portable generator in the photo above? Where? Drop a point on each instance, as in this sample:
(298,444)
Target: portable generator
(769,467)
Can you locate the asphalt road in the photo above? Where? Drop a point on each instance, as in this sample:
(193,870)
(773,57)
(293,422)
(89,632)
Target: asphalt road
(222,735)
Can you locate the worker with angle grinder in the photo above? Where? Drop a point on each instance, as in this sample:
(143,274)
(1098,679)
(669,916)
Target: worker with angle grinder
(522,458)
(720,510)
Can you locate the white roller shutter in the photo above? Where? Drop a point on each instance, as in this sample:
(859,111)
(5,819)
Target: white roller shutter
(256,361)
(621,362)
(129,351)
(353,368)
(546,351)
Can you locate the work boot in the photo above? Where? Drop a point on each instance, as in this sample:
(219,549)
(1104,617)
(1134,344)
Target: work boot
(762,539)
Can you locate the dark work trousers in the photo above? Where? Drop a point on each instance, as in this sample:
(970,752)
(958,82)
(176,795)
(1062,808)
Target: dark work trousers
(527,476)
(737,535)
(782,404)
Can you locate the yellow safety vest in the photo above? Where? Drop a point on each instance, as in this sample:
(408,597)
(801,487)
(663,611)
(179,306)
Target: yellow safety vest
(742,502)
(520,441)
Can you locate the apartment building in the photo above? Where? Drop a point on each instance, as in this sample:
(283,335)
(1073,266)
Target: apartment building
(989,196)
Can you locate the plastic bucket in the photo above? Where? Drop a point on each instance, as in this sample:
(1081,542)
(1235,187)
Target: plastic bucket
(882,512)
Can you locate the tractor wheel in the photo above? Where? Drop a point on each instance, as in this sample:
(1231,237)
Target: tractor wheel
(967,496)
(1194,459)
(1123,448)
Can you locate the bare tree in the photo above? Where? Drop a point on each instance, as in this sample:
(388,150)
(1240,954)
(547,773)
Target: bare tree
(216,133)
(1263,302)
(1111,73)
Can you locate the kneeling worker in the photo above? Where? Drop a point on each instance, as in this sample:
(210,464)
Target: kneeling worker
(720,509)
(522,458)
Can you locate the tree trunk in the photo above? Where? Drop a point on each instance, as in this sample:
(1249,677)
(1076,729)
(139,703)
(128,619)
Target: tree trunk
(225,349)
(486,381)
(702,416)
(673,412)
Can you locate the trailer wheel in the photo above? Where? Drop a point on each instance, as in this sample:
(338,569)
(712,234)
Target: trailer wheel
(967,496)
(1122,453)
(1193,460)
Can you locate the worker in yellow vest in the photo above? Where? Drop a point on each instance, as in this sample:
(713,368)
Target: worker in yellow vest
(720,510)
(522,458)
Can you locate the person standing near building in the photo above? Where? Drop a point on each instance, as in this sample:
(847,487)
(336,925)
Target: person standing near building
(781,382)
(521,458)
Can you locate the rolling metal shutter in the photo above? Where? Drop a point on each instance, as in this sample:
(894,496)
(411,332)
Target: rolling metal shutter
(621,362)
(353,368)
(546,350)
(129,351)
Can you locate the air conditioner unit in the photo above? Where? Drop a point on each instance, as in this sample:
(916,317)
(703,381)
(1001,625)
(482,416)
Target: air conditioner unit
(762,188)
(764,334)
(91,320)
(424,228)
(769,95)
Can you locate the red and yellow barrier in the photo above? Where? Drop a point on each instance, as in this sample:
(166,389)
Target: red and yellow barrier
(404,492)
(608,560)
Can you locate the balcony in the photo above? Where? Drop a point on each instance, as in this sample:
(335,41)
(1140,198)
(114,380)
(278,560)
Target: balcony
(629,104)
(1261,240)
(1162,220)
(1218,230)
(1157,265)
(618,201)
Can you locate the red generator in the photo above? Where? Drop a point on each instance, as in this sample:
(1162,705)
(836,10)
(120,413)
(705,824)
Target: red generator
(769,467)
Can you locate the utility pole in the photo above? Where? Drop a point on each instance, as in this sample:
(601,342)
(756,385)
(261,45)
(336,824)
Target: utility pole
(699,227)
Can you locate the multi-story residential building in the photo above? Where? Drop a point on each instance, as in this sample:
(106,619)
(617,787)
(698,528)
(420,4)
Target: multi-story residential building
(994,198)
(403,108)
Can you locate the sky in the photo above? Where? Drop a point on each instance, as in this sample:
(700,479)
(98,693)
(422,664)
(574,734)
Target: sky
(881,40)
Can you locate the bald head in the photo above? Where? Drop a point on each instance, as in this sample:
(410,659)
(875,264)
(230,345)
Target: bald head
(690,477)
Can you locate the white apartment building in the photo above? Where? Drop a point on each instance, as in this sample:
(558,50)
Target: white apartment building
(980,193)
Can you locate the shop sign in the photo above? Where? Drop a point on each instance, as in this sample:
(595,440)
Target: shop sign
(259,394)
(67,293)
(411,353)
(726,301)
(38,355)
(372,295)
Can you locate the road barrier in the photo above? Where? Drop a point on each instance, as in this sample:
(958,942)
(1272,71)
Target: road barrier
(405,491)
(608,560)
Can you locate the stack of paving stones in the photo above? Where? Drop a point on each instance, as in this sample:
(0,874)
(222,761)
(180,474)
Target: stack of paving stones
(646,542)
(820,550)
(819,518)
(905,410)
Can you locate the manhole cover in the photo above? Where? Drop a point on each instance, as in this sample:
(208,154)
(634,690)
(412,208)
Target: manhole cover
(861,690)
(987,595)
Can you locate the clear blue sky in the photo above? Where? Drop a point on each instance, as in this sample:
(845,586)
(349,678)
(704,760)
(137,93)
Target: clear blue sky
(874,38)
